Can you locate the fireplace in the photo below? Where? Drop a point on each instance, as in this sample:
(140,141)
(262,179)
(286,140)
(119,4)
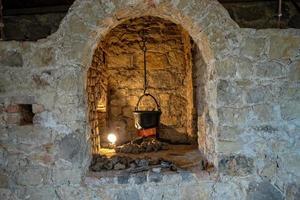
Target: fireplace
(116,82)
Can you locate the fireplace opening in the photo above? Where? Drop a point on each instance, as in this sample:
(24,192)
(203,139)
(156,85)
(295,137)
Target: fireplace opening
(175,78)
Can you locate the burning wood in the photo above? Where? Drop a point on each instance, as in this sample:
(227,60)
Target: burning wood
(147,132)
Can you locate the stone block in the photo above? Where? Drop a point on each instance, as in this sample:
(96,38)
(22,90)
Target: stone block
(3,180)
(22,99)
(42,80)
(245,69)
(263,113)
(69,148)
(120,61)
(253,47)
(67,176)
(115,111)
(258,95)
(118,102)
(226,68)
(269,169)
(37,108)
(228,147)
(283,47)
(228,94)
(2,108)
(292,192)
(30,176)
(157,79)
(236,165)
(124,194)
(270,70)
(187,176)
(227,190)
(11,59)
(127,112)
(13,108)
(140,178)
(195,192)
(7,194)
(229,133)
(40,193)
(244,83)
(68,82)
(290,110)
(172,135)
(233,116)
(263,191)
(294,71)
(43,57)
(14,118)
(291,161)
(123,179)
(154,177)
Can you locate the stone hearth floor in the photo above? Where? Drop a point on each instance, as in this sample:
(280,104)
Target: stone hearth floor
(185,157)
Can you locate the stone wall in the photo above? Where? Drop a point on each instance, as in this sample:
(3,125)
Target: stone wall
(263,14)
(259,104)
(97,85)
(251,94)
(168,69)
(31,27)
(247,14)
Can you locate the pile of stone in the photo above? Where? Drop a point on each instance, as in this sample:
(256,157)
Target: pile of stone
(100,163)
(141,145)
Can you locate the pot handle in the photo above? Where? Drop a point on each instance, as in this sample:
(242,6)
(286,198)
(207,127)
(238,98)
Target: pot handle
(146,94)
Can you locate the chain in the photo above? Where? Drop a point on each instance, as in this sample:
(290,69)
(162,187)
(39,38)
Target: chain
(144,49)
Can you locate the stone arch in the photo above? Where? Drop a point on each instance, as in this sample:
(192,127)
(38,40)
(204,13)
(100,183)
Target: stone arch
(206,21)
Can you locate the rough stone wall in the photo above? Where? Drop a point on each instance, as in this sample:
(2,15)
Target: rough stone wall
(203,121)
(255,134)
(31,27)
(97,83)
(258,98)
(167,75)
(263,14)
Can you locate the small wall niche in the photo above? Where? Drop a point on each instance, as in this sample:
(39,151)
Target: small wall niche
(26,114)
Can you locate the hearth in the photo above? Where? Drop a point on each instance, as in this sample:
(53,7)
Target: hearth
(142,100)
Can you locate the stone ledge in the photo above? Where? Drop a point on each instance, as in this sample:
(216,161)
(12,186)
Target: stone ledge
(120,178)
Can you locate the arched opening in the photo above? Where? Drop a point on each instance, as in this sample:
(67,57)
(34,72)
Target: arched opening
(177,78)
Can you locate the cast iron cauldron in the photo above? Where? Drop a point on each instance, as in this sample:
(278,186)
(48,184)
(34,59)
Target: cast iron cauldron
(146,119)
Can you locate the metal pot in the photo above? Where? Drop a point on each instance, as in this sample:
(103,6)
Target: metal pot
(146,119)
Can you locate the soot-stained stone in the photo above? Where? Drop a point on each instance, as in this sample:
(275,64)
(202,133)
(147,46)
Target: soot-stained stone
(186,176)
(140,178)
(11,59)
(295,21)
(236,165)
(263,191)
(124,179)
(293,192)
(154,177)
(3,181)
(127,194)
(69,147)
